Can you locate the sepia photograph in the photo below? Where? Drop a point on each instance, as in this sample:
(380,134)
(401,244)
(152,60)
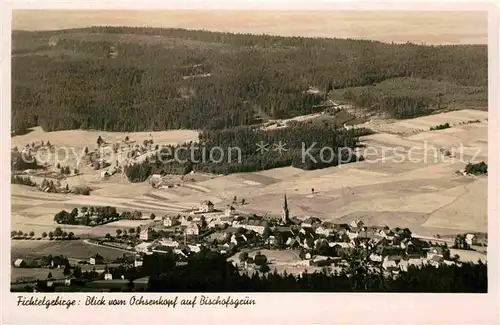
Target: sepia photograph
(240,151)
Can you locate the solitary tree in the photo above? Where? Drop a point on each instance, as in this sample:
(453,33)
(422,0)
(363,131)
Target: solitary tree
(58,232)
(13,233)
(19,233)
(108,236)
(152,216)
(99,141)
(260,259)
(118,232)
(71,235)
(264,268)
(44,234)
(49,276)
(32,233)
(86,150)
(77,272)
(126,138)
(242,201)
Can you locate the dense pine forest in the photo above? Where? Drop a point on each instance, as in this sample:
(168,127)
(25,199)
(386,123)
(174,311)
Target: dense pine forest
(308,146)
(134,79)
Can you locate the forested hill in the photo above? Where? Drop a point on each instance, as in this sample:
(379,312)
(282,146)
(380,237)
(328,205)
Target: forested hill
(132,79)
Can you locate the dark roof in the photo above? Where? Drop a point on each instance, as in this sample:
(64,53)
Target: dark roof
(231,230)
(312,220)
(282,229)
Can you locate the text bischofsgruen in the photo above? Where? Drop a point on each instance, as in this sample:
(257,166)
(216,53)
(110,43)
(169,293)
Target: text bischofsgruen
(173,302)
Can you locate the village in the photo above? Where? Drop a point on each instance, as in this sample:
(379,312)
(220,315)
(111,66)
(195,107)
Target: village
(252,243)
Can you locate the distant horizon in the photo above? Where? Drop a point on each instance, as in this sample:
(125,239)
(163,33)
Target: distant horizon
(430,28)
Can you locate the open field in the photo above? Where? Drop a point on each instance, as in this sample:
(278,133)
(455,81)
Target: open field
(419,190)
(469,256)
(34,273)
(413,26)
(71,248)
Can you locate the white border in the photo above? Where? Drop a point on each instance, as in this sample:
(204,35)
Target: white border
(272,308)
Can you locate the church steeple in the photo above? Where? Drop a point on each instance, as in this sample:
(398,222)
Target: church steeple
(285,213)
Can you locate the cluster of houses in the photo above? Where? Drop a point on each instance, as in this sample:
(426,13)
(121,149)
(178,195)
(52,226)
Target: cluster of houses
(321,242)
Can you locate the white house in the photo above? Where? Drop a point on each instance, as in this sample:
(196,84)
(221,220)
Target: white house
(168,242)
(310,222)
(470,239)
(146,234)
(436,261)
(230,211)
(108,276)
(138,263)
(252,224)
(67,281)
(391,261)
(341,244)
(356,224)
(143,247)
(185,221)
(194,248)
(193,229)
(375,257)
(96,259)
(352,234)
(170,221)
(434,251)
(325,231)
(206,206)
(19,263)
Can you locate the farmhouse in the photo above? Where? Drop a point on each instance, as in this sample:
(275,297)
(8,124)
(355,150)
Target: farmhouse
(435,251)
(96,259)
(230,211)
(206,206)
(146,234)
(470,239)
(325,230)
(254,224)
(310,222)
(143,247)
(19,263)
(171,221)
(193,229)
(391,262)
(168,242)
